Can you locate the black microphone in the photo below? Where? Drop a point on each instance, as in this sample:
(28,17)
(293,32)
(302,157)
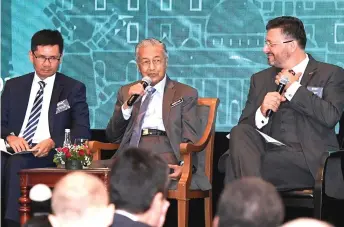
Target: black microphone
(283,81)
(146,81)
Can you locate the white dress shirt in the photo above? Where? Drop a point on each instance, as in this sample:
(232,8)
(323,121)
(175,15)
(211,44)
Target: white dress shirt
(131,216)
(153,116)
(260,120)
(42,131)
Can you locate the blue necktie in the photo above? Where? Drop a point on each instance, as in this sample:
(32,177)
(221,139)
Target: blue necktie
(32,123)
(136,135)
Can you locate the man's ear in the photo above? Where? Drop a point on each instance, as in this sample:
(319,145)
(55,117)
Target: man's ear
(216,221)
(31,56)
(53,220)
(157,202)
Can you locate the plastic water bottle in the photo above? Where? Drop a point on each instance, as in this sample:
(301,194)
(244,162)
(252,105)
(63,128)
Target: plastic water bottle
(67,141)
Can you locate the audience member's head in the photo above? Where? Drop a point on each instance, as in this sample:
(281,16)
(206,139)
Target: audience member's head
(139,184)
(309,222)
(249,202)
(38,221)
(81,199)
(40,196)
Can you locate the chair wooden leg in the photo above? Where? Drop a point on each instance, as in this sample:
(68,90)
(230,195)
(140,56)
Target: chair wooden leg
(208,210)
(318,204)
(183,213)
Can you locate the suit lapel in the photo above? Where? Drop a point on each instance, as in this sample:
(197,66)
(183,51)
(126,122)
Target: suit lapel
(310,71)
(57,90)
(24,92)
(167,100)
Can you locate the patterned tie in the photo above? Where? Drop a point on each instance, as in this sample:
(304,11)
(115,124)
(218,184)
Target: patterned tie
(136,135)
(32,123)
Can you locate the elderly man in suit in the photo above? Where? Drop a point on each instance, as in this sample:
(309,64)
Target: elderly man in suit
(166,120)
(304,115)
(35,110)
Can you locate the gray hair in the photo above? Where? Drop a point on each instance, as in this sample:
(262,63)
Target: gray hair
(152,42)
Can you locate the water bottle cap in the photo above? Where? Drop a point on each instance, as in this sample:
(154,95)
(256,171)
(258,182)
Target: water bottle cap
(67,130)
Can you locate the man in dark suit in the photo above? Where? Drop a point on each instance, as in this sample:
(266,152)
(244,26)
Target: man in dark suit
(304,115)
(170,117)
(35,110)
(138,188)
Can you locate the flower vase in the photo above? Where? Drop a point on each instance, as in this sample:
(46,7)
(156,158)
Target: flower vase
(73,164)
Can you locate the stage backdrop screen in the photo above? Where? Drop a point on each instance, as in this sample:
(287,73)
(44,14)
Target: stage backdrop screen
(214,45)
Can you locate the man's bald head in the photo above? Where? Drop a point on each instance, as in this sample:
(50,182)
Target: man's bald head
(79,196)
(309,222)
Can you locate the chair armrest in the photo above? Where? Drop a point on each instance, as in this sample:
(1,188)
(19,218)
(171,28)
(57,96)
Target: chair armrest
(96,147)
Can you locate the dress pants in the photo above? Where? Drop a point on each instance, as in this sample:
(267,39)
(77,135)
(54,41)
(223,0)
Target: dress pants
(10,166)
(249,155)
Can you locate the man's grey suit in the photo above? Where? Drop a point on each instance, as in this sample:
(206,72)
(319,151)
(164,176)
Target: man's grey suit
(315,117)
(180,121)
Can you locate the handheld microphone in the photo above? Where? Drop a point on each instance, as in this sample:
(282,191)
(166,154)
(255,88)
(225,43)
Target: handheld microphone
(279,89)
(146,81)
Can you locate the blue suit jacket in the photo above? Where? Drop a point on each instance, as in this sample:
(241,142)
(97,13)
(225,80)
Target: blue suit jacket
(15,98)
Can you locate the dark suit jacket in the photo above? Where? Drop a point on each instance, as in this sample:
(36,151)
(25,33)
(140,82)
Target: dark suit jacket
(123,221)
(180,121)
(15,98)
(316,117)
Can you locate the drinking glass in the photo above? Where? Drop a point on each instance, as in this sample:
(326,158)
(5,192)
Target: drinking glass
(80,141)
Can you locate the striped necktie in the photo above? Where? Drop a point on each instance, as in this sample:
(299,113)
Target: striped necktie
(32,123)
(137,130)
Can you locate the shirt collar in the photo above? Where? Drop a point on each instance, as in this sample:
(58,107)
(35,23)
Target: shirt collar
(48,81)
(160,87)
(301,67)
(131,216)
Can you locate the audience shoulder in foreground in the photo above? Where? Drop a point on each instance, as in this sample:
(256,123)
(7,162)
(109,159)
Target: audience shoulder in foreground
(301,222)
(80,199)
(138,188)
(249,202)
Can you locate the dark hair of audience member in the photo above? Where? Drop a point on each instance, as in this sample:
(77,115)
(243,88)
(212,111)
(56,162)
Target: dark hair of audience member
(291,27)
(250,202)
(38,221)
(47,37)
(136,177)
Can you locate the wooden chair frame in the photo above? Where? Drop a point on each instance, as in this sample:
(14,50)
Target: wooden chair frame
(182,194)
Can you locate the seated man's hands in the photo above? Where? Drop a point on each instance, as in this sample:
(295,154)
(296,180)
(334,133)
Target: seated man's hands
(136,89)
(177,171)
(18,144)
(291,77)
(42,148)
(272,100)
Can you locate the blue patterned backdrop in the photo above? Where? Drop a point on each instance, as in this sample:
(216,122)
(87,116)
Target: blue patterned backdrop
(214,45)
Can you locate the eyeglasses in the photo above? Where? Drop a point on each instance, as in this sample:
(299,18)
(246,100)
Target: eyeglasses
(270,44)
(42,59)
(146,62)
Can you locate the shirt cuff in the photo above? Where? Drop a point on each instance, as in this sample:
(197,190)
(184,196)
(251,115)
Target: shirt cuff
(261,121)
(127,112)
(289,94)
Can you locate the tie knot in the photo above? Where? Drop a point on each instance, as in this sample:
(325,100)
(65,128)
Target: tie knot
(42,84)
(152,90)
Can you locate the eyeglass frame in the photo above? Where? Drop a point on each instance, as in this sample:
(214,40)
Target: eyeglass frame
(270,45)
(46,58)
(145,63)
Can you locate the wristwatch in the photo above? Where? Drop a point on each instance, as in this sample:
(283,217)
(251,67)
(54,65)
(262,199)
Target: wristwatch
(194,169)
